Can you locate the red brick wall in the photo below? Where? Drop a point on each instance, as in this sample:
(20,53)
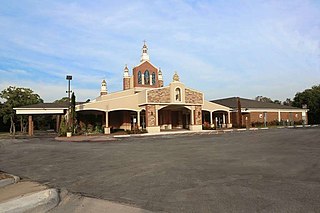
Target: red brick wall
(295,116)
(254,117)
(143,67)
(271,116)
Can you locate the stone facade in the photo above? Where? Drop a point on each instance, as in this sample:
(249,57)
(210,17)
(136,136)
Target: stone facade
(126,83)
(151,115)
(198,115)
(159,95)
(193,97)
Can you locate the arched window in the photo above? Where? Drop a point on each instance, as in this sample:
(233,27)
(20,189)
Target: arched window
(178,94)
(153,78)
(146,77)
(139,78)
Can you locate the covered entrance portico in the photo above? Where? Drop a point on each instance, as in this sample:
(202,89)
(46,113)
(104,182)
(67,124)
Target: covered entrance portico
(216,119)
(174,117)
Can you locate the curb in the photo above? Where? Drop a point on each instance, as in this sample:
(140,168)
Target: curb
(37,202)
(13,179)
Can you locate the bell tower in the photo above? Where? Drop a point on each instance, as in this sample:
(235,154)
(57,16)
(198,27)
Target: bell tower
(145,74)
(144,56)
(126,78)
(103,90)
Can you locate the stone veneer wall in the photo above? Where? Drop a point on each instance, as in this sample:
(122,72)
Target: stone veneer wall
(159,95)
(151,115)
(198,115)
(126,83)
(193,97)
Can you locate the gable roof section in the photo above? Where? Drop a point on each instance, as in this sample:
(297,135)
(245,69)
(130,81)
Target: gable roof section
(250,104)
(145,62)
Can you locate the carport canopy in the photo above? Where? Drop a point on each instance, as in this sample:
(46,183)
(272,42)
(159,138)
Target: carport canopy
(42,109)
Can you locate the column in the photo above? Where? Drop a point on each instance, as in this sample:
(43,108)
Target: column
(107,119)
(224,120)
(30,130)
(57,123)
(192,116)
(157,117)
(229,119)
(142,78)
(279,116)
(138,119)
(107,128)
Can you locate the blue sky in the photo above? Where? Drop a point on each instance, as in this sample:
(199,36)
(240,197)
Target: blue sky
(223,48)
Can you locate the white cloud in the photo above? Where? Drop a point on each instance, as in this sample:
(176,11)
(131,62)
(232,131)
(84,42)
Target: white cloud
(222,48)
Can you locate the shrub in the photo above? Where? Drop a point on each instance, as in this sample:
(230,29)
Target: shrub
(136,131)
(257,124)
(63,127)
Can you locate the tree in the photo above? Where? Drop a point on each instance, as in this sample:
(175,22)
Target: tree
(263,99)
(277,101)
(309,98)
(73,111)
(62,100)
(287,102)
(16,97)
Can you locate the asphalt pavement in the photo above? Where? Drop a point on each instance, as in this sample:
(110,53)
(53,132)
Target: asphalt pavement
(266,171)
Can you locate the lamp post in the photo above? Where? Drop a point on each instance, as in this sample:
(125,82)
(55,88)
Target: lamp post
(69,78)
(69,133)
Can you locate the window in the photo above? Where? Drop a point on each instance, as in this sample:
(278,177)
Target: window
(146,77)
(178,94)
(139,78)
(153,78)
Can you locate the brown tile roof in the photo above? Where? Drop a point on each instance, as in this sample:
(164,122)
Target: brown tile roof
(46,105)
(248,103)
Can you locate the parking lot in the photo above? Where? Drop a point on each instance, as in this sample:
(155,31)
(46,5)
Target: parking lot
(267,170)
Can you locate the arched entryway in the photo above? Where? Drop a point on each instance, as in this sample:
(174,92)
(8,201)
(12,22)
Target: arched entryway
(174,117)
(91,121)
(207,122)
(123,120)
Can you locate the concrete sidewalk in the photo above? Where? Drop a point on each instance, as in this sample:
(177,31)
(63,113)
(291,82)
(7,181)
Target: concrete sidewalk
(28,196)
(104,138)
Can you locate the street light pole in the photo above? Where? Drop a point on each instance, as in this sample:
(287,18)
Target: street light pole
(69,78)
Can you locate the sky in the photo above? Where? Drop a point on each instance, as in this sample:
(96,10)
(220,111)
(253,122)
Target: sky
(222,48)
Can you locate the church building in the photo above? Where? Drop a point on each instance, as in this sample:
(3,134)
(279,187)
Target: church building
(145,103)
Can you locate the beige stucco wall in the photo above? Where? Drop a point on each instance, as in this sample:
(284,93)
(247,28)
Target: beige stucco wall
(129,102)
(209,106)
(132,100)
